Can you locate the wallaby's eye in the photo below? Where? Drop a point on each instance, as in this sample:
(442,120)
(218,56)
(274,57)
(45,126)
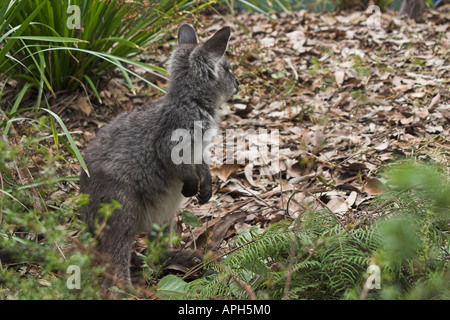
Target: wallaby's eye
(226,66)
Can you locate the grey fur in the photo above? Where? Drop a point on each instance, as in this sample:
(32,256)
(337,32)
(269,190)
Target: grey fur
(413,8)
(130,158)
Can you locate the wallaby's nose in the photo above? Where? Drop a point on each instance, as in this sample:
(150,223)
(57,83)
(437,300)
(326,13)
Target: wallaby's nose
(236,85)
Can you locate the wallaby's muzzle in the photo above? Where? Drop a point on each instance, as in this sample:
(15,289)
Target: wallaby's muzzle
(236,85)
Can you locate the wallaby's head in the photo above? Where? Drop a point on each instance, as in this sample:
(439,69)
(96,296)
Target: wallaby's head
(201,71)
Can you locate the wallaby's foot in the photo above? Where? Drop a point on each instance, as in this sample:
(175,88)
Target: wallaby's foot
(182,260)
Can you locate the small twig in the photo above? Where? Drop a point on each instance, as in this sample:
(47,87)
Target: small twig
(60,251)
(263,196)
(1,198)
(281,189)
(256,196)
(291,262)
(245,286)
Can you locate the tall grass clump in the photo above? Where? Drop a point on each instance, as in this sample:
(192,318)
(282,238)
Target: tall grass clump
(59,44)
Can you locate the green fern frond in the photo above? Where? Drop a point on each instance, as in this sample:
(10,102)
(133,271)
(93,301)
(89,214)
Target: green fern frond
(407,236)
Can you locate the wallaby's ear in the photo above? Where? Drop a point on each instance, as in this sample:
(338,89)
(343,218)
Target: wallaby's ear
(218,43)
(186,34)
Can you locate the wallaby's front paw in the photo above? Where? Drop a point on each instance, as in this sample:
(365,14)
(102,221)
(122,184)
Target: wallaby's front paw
(205,193)
(190,188)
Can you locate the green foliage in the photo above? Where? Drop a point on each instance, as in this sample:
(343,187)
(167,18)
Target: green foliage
(326,260)
(408,240)
(264,6)
(190,219)
(171,287)
(429,3)
(37,221)
(160,241)
(44,46)
(64,138)
(360,68)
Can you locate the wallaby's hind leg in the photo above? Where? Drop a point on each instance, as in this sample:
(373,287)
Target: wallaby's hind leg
(115,246)
(116,249)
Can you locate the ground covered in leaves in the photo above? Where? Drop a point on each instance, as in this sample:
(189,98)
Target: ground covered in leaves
(333,99)
(345,100)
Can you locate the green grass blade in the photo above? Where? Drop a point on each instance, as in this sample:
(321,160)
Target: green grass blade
(39,183)
(49,39)
(115,61)
(54,132)
(15,199)
(16,105)
(12,116)
(94,89)
(117,39)
(125,75)
(75,150)
(256,8)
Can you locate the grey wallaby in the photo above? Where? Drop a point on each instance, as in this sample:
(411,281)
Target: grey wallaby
(130,159)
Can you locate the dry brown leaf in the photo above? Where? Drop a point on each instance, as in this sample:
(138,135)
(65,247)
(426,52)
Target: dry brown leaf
(339,77)
(248,171)
(434,103)
(374,187)
(217,233)
(382,146)
(84,105)
(337,205)
(294,170)
(226,170)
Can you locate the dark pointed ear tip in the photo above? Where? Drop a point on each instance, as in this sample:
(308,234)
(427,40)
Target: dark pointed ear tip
(223,33)
(187,34)
(226,30)
(185,26)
